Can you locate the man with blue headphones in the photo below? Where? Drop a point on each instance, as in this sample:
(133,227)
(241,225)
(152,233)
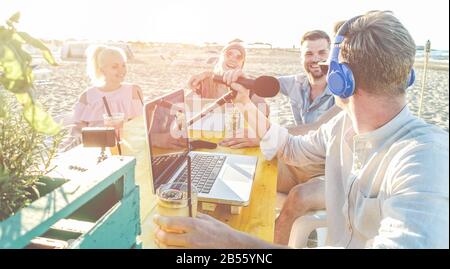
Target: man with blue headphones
(386,171)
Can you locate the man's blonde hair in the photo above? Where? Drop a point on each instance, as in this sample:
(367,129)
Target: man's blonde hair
(380,52)
(96,55)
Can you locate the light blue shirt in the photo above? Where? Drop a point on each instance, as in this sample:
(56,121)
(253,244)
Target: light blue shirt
(298,89)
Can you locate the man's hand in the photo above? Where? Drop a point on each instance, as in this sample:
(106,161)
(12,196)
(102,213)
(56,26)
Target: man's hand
(247,139)
(201,232)
(230,77)
(237,143)
(258,122)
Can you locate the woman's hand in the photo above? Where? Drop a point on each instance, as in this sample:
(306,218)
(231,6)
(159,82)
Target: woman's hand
(194,82)
(165,140)
(76,129)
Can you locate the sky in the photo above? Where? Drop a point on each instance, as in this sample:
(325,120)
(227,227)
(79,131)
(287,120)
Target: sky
(279,22)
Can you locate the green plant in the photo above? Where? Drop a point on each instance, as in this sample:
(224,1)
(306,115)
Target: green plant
(29,137)
(25,158)
(16,74)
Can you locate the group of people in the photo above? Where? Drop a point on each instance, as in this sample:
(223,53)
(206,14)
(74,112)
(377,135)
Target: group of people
(356,150)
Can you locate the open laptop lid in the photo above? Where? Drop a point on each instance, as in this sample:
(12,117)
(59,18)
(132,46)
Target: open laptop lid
(167,136)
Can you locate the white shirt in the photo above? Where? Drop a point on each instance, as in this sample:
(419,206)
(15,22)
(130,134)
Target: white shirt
(384,189)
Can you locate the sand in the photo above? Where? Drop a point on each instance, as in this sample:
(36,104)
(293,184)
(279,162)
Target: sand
(160,68)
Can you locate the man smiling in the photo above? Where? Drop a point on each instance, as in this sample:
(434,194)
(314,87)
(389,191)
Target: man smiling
(307,92)
(312,104)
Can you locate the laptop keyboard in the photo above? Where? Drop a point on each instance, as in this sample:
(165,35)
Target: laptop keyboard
(205,169)
(163,161)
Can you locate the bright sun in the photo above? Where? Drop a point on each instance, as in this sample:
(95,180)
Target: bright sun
(279,22)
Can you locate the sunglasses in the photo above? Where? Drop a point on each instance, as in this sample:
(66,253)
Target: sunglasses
(237,56)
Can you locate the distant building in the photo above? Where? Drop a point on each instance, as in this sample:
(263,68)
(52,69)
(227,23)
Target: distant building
(77,49)
(259,45)
(236,40)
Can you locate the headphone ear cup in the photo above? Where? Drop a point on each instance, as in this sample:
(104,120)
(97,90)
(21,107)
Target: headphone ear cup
(336,79)
(411,78)
(340,80)
(349,81)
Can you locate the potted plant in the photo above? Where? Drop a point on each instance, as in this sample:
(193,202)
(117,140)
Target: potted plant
(25,156)
(105,202)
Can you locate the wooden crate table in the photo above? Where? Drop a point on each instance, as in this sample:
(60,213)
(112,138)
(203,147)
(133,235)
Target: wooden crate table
(94,206)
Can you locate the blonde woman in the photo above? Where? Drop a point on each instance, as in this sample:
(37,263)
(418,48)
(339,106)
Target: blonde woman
(106,67)
(232,57)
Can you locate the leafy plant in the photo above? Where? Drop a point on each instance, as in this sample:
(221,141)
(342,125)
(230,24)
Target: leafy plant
(25,157)
(16,74)
(29,137)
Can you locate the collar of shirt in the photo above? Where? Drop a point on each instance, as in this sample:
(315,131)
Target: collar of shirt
(373,139)
(306,86)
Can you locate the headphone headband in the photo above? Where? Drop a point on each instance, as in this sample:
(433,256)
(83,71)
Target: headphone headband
(345,27)
(340,77)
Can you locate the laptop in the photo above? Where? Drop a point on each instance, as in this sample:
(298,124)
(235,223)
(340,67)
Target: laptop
(218,177)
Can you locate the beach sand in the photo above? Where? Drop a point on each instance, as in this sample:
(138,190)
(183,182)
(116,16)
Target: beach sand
(160,68)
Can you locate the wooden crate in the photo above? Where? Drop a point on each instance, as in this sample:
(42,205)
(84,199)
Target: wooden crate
(97,206)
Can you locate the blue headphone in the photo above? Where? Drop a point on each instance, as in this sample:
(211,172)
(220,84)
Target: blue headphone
(340,77)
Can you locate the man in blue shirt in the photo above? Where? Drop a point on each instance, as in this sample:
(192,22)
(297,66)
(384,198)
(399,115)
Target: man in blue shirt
(312,104)
(308,93)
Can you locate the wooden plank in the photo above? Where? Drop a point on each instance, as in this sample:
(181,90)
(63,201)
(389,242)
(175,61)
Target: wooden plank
(30,222)
(117,229)
(236,210)
(207,206)
(73,225)
(47,243)
(69,165)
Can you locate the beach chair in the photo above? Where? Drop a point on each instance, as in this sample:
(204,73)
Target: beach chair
(305,226)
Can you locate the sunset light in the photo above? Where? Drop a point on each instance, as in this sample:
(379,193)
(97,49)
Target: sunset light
(196,21)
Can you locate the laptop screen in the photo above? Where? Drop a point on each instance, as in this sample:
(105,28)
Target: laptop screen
(167,135)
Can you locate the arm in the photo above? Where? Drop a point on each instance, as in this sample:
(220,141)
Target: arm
(247,138)
(194,82)
(261,104)
(137,94)
(289,83)
(415,214)
(275,140)
(203,232)
(79,124)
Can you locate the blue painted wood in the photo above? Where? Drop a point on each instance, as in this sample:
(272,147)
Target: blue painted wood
(116,229)
(36,219)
